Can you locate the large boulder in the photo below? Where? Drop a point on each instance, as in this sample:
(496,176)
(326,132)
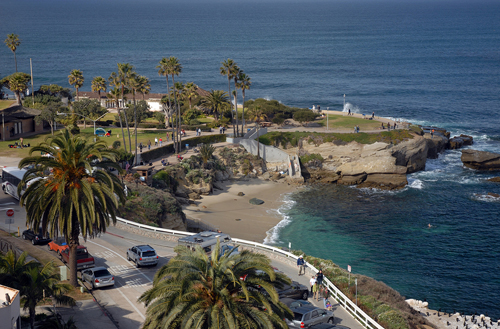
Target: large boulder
(412,154)
(494,180)
(459,141)
(480,160)
(352,179)
(436,144)
(384,181)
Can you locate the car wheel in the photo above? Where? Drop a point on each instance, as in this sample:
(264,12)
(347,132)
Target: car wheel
(48,246)
(305,295)
(128,258)
(330,320)
(93,285)
(137,264)
(24,237)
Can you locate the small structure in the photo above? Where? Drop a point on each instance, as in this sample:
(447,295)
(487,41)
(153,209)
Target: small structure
(17,120)
(144,171)
(10,308)
(206,240)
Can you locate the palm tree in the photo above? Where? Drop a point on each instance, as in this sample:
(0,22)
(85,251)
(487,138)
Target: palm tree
(216,101)
(195,291)
(76,194)
(144,86)
(258,115)
(134,83)
(115,95)
(175,68)
(227,69)
(76,79)
(190,91)
(13,42)
(164,70)
(17,83)
(98,85)
(124,72)
(244,84)
(206,153)
(33,281)
(236,73)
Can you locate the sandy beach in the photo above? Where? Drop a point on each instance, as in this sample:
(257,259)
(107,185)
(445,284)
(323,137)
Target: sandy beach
(233,214)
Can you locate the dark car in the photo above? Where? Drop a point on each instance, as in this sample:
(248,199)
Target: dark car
(293,303)
(328,326)
(36,238)
(294,291)
(309,315)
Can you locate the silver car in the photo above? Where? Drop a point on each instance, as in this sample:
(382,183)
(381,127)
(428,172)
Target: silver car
(142,255)
(98,277)
(308,315)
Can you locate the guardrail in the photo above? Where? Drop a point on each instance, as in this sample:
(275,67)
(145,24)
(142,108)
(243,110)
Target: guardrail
(335,292)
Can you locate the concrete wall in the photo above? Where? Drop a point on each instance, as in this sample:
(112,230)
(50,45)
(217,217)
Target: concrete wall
(268,153)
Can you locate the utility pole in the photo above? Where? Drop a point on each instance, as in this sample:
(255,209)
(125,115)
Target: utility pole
(344,104)
(327,110)
(3,126)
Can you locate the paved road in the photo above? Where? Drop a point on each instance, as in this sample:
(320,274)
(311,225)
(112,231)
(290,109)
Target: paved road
(109,250)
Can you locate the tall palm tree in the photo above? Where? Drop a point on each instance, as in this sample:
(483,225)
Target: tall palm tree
(227,69)
(76,79)
(124,72)
(134,83)
(145,86)
(257,115)
(236,73)
(195,291)
(33,280)
(17,83)
(98,85)
(164,70)
(216,100)
(174,69)
(72,190)
(190,91)
(13,42)
(244,84)
(115,94)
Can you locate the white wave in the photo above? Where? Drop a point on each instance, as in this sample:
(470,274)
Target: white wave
(415,183)
(272,236)
(353,108)
(485,197)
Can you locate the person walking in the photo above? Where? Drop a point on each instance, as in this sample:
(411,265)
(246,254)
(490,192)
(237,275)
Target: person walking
(300,264)
(319,277)
(149,145)
(312,282)
(373,115)
(140,146)
(156,141)
(161,141)
(315,291)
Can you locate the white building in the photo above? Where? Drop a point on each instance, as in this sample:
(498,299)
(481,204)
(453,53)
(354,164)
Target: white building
(10,308)
(153,100)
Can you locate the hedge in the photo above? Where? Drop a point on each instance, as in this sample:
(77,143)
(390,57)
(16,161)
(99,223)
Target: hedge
(162,151)
(194,127)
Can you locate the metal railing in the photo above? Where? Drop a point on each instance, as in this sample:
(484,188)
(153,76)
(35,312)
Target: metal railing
(357,313)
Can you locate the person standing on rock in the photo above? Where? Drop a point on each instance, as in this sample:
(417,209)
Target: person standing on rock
(300,264)
(432,133)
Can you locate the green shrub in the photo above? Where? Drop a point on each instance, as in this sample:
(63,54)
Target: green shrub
(308,157)
(393,320)
(194,122)
(417,130)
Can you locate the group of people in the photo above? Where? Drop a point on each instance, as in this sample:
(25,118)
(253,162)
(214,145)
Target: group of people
(222,130)
(389,126)
(356,129)
(198,131)
(318,290)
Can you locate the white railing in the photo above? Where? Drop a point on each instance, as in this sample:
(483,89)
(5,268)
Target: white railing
(339,296)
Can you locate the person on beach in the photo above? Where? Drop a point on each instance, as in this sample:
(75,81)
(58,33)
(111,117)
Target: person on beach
(300,264)
(312,282)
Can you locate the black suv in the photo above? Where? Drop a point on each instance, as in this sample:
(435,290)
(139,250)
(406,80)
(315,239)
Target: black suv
(36,238)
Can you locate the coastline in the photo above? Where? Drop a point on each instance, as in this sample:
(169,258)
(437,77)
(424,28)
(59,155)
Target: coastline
(226,211)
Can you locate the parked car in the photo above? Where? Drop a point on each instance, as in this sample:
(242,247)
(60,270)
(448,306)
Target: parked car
(58,245)
(83,258)
(36,238)
(328,326)
(98,277)
(309,315)
(294,290)
(142,255)
(293,303)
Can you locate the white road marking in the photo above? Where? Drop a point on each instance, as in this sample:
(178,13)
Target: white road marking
(6,204)
(105,254)
(97,244)
(135,308)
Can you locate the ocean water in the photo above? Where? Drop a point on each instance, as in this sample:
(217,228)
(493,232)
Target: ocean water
(429,62)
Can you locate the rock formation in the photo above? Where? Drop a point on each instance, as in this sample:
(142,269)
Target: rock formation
(480,160)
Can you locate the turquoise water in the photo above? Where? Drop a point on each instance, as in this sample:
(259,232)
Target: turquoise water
(430,62)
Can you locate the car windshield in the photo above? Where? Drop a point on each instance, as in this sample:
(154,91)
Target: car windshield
(148,253)
(297,316)
(101,273)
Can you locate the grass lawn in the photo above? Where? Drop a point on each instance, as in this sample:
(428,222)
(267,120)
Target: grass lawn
(348,122)
(142,136)
(4,103)
(205,120)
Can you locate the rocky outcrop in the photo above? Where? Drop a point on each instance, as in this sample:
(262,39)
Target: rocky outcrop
(459,141)
(494,180)
(436,144)
(412,155)
(384,181)
(480,160)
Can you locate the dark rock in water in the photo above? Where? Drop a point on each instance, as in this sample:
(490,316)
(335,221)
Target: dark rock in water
(241,194)
(495,195)
(256,201)
(494,179)
(352,180)
(384,182)
(459,141)
(436,144)
(481,160)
